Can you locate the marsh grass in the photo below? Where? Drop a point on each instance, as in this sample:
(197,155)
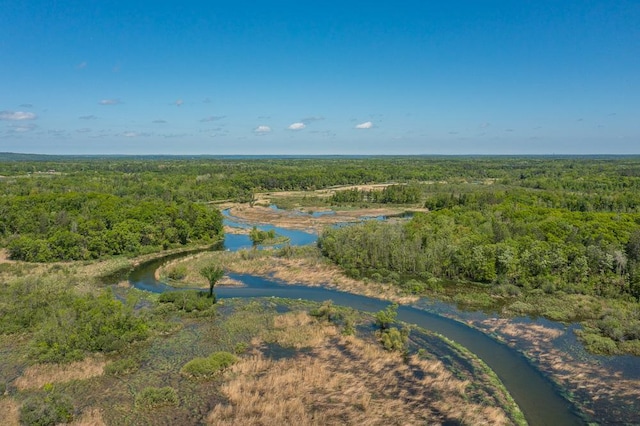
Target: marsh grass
(299,265)
(89,417)
(37,376)
(344,380)
(9,411)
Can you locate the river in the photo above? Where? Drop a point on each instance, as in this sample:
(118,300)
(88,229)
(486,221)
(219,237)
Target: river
(539,398)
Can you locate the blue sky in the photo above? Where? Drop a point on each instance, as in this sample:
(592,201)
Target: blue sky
(330,77)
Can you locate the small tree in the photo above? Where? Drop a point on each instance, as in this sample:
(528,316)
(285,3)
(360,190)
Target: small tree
(386,317)
(212,273)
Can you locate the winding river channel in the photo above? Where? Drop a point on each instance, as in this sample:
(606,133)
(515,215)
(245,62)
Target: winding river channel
(539,398)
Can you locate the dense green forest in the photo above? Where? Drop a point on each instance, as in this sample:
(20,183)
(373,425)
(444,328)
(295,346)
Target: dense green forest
(77,226)
(508,243)
(71,208)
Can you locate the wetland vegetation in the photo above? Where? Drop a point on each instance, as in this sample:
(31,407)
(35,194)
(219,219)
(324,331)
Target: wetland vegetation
(553,237)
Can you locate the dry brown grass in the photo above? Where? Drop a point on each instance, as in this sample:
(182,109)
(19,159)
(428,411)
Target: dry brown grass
(39,375)
(4,256)
(304,270)
(294,220)
(9,412)
(344,380)
(299,330)
(89,417)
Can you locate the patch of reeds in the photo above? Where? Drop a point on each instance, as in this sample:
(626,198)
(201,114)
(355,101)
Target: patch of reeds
(9,411)
(344,380)
(89,417)
(36,376)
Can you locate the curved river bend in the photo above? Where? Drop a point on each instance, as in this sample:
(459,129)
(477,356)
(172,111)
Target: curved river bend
(539,399)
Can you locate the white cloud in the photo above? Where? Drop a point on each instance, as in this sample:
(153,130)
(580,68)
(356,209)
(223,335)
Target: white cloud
(297,126)
(365,125)
(109,102)
(179,102)
(261,130)
(17,115)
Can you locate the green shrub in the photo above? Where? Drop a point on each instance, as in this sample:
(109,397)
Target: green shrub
(87,324)
(521,308)
(207,367)
(630,347)
(177,273)
(393,339)
(414,286)
(151,397)
(387,316)
(598,344)
(393,277)
(240,348)
(47,409)
(506,290)
(353,273)
(377,277)
(326,311)
(188,301)
(349,328)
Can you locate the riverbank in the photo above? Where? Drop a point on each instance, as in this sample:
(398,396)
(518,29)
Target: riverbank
(603,387)
(302,266)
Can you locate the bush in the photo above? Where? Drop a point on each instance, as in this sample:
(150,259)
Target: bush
(152,397)
(47,409)
(598,344)
(206,367)
(393,339)
(177,273)
(87,324)
(414,286)
(521,308)
(393,277)
(506,290)
(387,316)
(326,311)
(188,301)
(377,277)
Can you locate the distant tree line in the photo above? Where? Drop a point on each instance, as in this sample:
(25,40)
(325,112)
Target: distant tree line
(392,194)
